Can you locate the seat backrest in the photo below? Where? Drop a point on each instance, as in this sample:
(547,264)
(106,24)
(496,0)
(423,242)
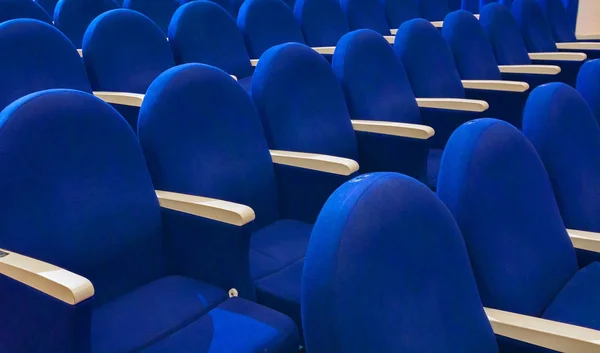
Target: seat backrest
(201,135)
(560,23)
(267,23)
(454,5)
(368,14)
(79,194)
(231,6)
(73,17)
(534,26)
(495,185)
(504,35)
(323,22)
(566,135)
(385,256)
(507,3)
(130,63)
(588,85)
(572,8)
(40,58)
(400,11)
(434,10)
(428,60)
(159,11)
(473,53)
(203,32)
(13,9)
(48,6)
(301,103)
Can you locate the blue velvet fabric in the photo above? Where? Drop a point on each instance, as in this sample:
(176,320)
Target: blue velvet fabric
(159,11)
(203,32)
(572,7)
(48,6)
(376,87)
(504,35)
(519,249)
(267,23)
(40,58)
(560,23)
(433,10)
(366,14)
(588,85)
(323,22)
(371,285)
(13,9)
(534,26)
(454,5)
(400,11)
(72,17)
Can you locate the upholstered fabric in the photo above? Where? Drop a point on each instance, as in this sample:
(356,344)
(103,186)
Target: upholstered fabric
(495,185)
(13,9)
(469,5)
(203,32)
(377,275)
(72,17)
(159,11)
(400,11)
(48,6)
(266,23)
(433,10)
(433,166)
(588,85)
(366,14)
(323,22)
(504,35)
(560,23)
(534,26)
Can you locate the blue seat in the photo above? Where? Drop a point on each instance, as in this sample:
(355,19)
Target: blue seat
(201,135)
(400,11)
(560,22)
(159,11)
(13,9)
(86,216)
(367,14)
(433,10)
(129,64)
(73,17)
(323,22)
(48,6)
(204,32)
(588,85)
(231,6)
(495,185)
(371,285)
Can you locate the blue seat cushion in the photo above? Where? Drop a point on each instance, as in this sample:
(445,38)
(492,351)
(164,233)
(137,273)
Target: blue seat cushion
(246,83)
(433,167)
(277,246)
(578,303)
(150,313)
(235,326)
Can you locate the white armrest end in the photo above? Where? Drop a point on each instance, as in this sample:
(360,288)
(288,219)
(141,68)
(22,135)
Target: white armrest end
(393,31)
(578,46)
(122,98)
(476,15)
(585,240)
(324,50)
(589,36)
(390,39)
(558,56)
(468,105)
(318,162)
(496,85)
(437,24)
(80,52)
(416,131)
(254,62)
(530,69)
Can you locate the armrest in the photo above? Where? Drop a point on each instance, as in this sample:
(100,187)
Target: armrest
(324,50)
(437,24)
(585,240)
(254,62)
(579,46)
(416,131)
(544,333)
(590,36)
(234,77)
(393,31)
(318,162)
(476,15)
(390,39)
(530,69)
(218,210)
(52,280)
(123,98)
(496,85)
(80,52)
(558,56)
(469,105)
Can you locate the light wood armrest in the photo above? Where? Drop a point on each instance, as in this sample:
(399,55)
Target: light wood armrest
(558,56)
(589,36)
(122,98)
(467,105)
(476,15)
(52,280)
(530,69)
(393,31)
(313,161)
(80,52)
(254,62)
(390,39)
(205,207)
(585,240)
(496,85)
(544,333)
(416,131)
(324,50)
(437,24)
(579,46)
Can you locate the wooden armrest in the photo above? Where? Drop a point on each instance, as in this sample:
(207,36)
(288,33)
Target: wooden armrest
(324,50)
(215,209)
(496,85)
(544,333)
(530,69)
(254,62)
(589,36)
(585,240)
(80,52)
(52,280)
(390,39)
(393,31)
(468,105)
(313,161)
(579,46)
(122,98)
(558,56)
(416,131)
(476,15)
(437,24)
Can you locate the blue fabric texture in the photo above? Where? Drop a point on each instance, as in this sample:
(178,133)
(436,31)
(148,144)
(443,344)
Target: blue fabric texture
(433,10)
(560,23)
(267,23)
(572,7)
(48,6)
(203,32)
(40,58)
(368,277)
(588,85)
(72,17)
(534,26)
(518,246)
(13,9)
(504,35)
(368,14)
(159,11)
(323,22)
(400,11)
